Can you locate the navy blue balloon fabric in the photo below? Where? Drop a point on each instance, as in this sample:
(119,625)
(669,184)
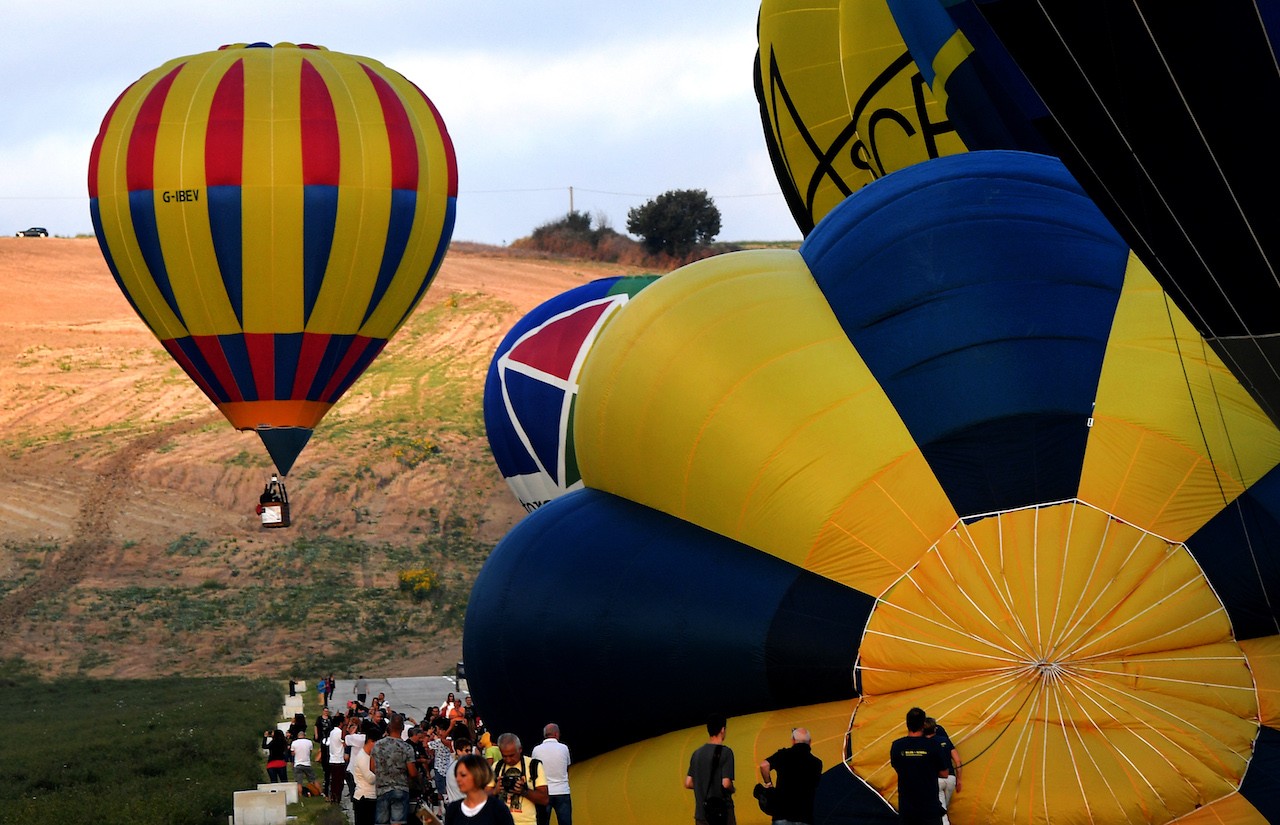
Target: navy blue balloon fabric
(593,586)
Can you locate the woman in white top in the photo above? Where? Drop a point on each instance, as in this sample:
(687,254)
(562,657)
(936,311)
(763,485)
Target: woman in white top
(364,801)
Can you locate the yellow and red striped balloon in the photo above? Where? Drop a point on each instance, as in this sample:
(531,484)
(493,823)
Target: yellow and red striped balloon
(273,213)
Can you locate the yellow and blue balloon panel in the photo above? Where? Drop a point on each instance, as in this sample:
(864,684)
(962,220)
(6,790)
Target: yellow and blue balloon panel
(959,451)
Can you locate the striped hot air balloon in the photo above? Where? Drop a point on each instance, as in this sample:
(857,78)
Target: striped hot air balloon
(273,214)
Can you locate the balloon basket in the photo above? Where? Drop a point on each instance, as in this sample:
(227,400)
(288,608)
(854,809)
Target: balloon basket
(275,514)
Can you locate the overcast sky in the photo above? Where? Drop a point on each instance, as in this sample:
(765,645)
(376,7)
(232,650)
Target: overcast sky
(621,101)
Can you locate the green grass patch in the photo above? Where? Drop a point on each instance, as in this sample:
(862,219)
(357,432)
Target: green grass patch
(132,752)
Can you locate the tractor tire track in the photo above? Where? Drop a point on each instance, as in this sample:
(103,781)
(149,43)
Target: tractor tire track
(64,569)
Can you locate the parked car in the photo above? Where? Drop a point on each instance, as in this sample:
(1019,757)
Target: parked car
(34,232)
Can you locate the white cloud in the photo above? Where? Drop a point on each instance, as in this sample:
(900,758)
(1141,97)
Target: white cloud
(626,98)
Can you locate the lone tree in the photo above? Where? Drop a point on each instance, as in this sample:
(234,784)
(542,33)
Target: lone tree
(675,222)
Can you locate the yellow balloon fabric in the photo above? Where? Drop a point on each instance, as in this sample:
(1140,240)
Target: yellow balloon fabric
(843,102)
(729,338)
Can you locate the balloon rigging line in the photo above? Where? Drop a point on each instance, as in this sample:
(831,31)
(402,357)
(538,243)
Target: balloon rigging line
(1147,677)
(964,591)
(1035,576)
(955,626)
(1096,699)
(1239,510)
(1074,635)
(1101,693)
(1006,598)
(1113,745)
(1010,660)
(1088,752)
(1204,325)
(1217,400)
(1195,407)
(1079,652)
(1137,7)
(1075,617)
(1062,582)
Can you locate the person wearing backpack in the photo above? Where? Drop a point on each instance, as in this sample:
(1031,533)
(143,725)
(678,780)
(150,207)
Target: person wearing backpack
(710,777)
(519,781)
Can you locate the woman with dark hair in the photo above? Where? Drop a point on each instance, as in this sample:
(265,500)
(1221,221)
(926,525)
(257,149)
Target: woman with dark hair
(297,726)
(277,757)
(476,807)
(364,802)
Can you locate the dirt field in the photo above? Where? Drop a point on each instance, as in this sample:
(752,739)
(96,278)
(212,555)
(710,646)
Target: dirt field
(110,458)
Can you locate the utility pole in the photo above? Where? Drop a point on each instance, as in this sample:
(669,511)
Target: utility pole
(570,200)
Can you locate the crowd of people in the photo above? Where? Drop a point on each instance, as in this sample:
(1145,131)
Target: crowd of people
(446,767)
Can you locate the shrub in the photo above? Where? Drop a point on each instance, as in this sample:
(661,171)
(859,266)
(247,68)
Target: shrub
(418,582)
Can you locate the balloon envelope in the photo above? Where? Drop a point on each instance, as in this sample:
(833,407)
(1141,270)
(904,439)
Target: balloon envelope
(1157,109)
(850,90)
(532,387)
(273,214)
(952,453)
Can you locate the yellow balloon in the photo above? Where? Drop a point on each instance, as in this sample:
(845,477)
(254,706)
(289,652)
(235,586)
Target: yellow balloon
(842,101)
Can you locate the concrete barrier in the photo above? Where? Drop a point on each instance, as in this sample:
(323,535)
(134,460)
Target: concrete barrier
(259,808)
(289,789)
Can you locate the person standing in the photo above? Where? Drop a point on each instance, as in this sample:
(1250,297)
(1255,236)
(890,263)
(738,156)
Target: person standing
(950,759)
(710,777)
(461,747)
(329,686)
(277,756)
(355,739)
(799,772)
(915,759)
(361,689)
(442,750)
(554,756)
(324,724)
(364,797)
(303,773)
(519,780)
(335,765)
(393,763)
(477,806)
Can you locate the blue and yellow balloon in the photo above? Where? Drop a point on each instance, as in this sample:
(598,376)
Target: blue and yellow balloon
(273,214)
(958,451)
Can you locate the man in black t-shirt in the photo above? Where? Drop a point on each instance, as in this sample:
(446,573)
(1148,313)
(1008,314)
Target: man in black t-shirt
(799,772)
(915,759)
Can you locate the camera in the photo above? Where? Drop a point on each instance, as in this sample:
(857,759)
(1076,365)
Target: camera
(509,781)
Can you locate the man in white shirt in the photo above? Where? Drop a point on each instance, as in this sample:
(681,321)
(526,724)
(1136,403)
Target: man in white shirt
(336,768)
(302,771)
(554,756)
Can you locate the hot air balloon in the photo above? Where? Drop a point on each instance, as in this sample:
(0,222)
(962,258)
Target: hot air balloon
(958,451)
(844,101)
(1157,109)
(273,214)
(532,386)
